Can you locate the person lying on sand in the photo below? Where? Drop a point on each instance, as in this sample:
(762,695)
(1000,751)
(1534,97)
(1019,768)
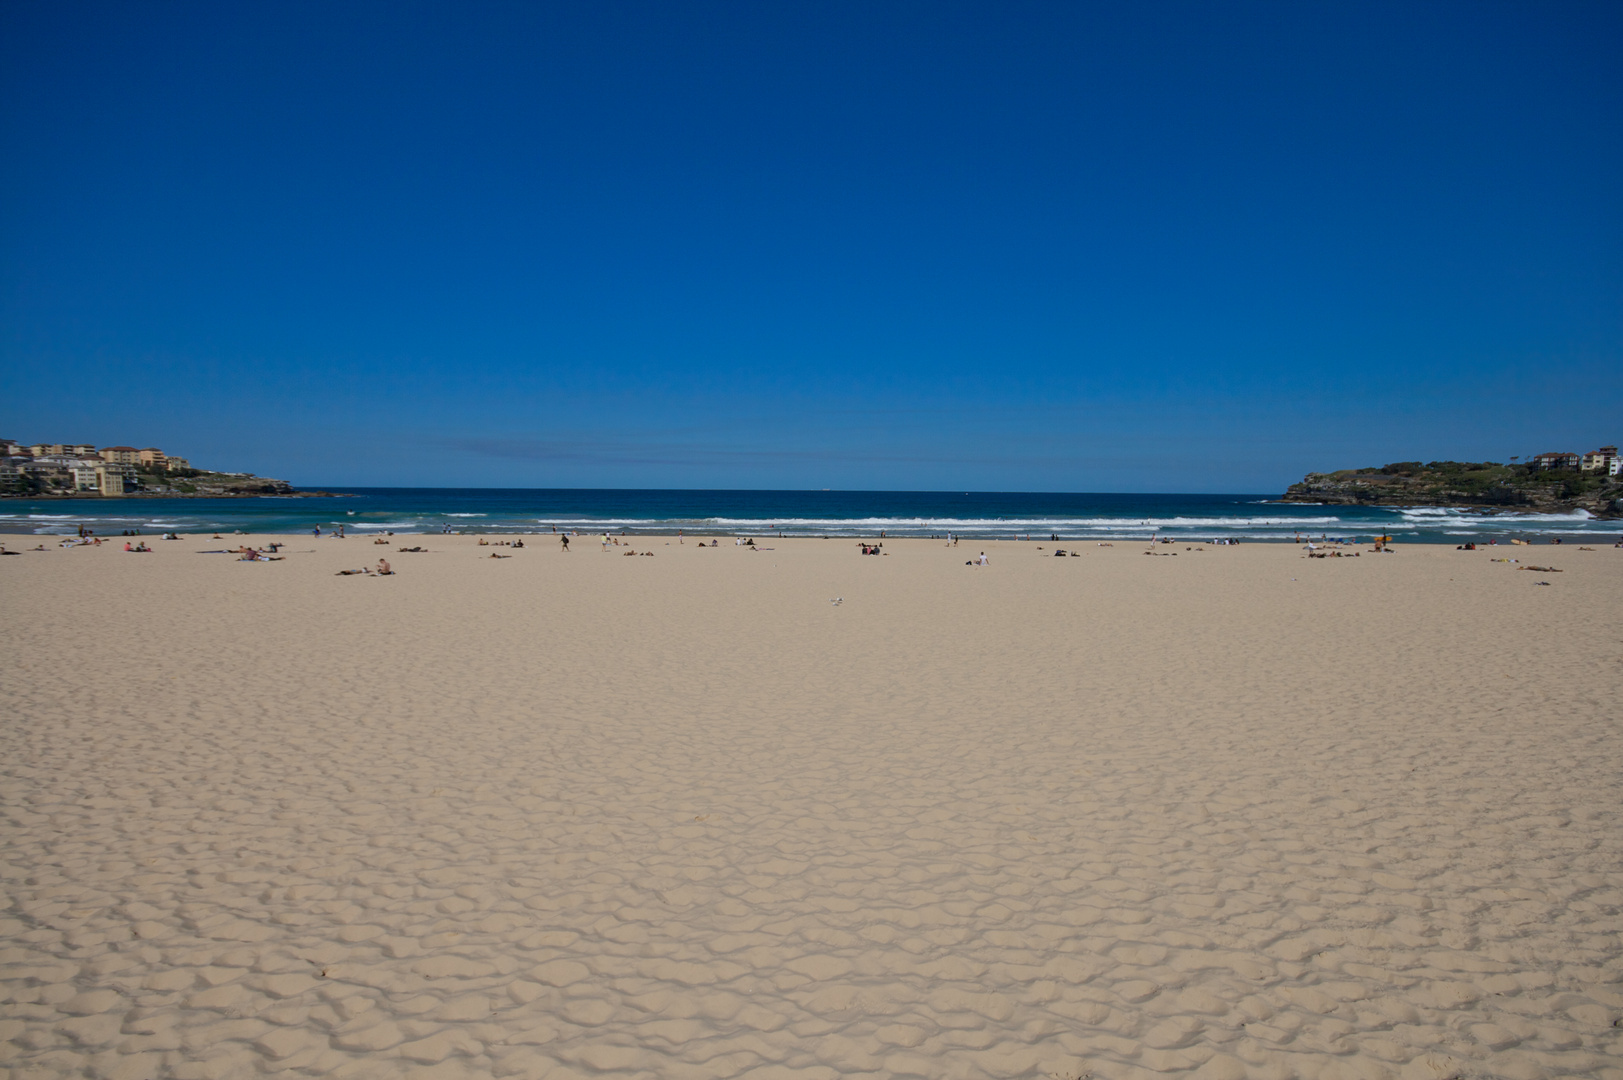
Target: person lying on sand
(347,573)
(493,555)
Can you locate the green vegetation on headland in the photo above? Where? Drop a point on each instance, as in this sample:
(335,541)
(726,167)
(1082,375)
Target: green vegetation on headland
(156,483)
(1485,484)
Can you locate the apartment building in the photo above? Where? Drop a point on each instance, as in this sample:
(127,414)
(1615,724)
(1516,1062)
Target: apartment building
(1600,460)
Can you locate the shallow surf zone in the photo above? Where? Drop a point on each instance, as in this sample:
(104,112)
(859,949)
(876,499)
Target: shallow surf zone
(972,516)
(1235,814)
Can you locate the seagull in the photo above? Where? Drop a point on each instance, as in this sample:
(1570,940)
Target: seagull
(837,600)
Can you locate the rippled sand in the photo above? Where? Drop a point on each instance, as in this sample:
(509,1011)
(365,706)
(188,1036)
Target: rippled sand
(1231,814)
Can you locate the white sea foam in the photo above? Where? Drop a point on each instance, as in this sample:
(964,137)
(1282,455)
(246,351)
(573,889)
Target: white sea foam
(1021,524)
(1474,514)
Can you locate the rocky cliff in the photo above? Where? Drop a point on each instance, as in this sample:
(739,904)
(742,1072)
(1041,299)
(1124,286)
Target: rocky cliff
(1487,485)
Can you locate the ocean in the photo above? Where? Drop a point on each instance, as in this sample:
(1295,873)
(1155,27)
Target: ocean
(972,515)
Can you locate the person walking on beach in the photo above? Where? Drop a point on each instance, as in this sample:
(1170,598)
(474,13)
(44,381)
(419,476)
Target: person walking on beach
(565,539)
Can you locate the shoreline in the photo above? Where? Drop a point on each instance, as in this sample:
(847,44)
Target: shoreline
(93,497)
(1063,519)
(1483,542)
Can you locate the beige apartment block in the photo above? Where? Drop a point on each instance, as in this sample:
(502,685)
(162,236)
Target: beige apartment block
(121,455)
(111,480)
(1600,460)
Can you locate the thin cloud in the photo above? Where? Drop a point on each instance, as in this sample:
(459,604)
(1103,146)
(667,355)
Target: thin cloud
(595,450)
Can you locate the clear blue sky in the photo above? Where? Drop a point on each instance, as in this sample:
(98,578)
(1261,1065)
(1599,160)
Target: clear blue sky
(1054,246)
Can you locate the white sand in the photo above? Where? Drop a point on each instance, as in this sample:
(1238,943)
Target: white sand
(1231,814)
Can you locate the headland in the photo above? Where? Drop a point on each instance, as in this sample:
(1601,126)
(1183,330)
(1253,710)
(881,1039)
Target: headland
(1553,483)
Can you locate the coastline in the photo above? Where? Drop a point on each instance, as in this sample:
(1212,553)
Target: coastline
(1235,812)
(1044,517)
(89,496)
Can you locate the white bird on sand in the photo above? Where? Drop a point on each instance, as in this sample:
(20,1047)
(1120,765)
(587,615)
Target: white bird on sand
(837,600)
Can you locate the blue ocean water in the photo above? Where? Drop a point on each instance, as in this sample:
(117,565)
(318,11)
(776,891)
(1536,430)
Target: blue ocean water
(975,514)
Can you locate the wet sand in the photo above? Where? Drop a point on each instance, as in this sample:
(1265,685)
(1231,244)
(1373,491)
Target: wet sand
(1234,813)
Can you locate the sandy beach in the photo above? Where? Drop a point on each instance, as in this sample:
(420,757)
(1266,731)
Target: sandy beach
(1224,813)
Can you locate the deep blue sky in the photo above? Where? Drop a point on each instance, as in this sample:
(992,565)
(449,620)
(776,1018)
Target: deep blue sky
(1056,246)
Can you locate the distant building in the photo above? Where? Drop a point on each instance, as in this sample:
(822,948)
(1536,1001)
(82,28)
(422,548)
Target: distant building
(111,479)
(175,463)
(151,455)
(121,455)
(45,449)
(83,449)
(50,473)
(1544,461)
(1600,460)
(85,477)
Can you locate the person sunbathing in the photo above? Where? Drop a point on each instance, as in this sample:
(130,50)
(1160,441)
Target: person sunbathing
(383,567)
